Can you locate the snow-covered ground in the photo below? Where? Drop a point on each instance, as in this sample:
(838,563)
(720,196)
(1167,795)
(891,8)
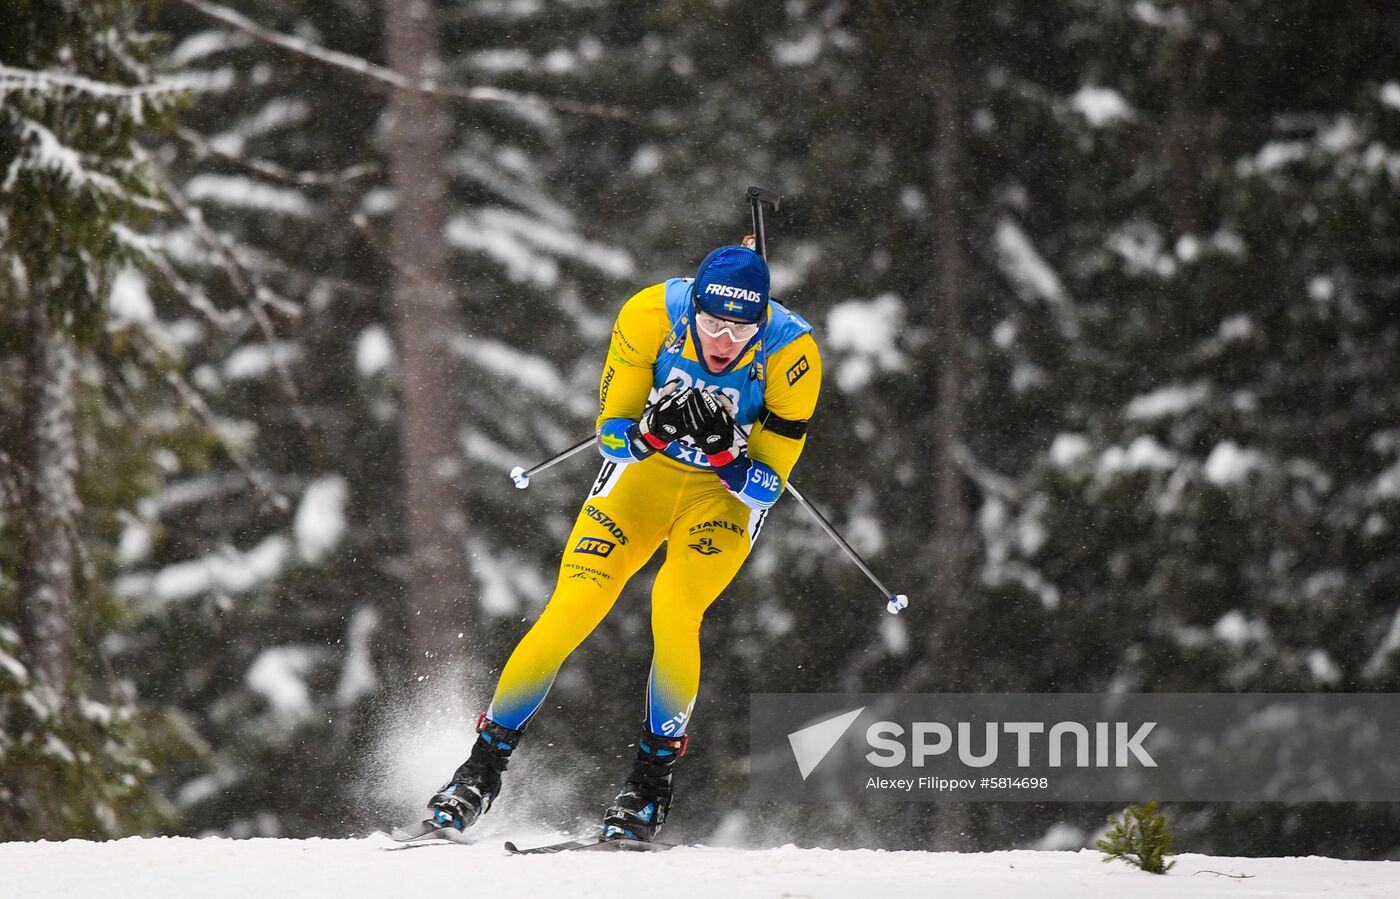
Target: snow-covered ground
(265,868)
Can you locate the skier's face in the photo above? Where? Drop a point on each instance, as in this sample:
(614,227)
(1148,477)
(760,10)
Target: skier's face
(721,340)
(719,351)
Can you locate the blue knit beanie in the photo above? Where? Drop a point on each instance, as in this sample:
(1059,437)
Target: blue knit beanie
(732,283)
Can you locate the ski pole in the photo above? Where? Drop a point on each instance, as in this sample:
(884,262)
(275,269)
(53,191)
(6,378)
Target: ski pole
(894,601)
(521,476)
(759,198)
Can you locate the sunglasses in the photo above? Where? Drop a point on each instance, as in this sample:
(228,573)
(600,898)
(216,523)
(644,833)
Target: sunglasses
(712,326)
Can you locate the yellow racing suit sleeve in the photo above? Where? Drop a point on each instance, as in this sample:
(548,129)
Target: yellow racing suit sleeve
(641,326)
(792,383)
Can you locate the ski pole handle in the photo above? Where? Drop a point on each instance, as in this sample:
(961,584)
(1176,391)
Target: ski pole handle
(521,476)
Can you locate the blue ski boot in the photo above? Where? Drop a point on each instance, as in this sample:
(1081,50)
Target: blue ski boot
(477,782)
(641,808)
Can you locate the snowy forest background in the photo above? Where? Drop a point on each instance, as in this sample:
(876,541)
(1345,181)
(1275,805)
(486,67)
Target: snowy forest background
(1107,292)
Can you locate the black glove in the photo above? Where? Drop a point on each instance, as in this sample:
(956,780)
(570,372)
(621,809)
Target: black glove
(664,421)
(712,429)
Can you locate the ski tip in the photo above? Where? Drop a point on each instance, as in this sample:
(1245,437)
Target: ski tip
(412,831)
(511,847)
(428,831)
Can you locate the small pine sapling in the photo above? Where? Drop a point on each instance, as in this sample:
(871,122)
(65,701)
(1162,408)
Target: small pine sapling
(1139,838)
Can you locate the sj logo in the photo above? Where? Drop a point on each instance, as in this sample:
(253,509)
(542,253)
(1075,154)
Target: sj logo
(799,368)
(706,547)
(594,546)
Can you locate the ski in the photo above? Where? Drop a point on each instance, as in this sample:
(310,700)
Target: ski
(428,831)
(592,844)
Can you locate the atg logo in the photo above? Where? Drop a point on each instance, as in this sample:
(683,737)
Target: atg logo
(737,293)
(799,368)
(595,546)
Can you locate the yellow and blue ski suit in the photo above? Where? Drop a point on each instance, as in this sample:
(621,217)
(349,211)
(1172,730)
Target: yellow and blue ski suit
(673,497)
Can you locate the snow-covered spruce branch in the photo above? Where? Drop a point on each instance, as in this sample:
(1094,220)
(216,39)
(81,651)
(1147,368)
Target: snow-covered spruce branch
(153,252)
(44,151)
(298,280)
(244,280)
(284,371)
(246,283)
(273,170)
(9,485)
(194,401)
(15,80)
(192,294)
(303,280)
(990,481)
(374,72)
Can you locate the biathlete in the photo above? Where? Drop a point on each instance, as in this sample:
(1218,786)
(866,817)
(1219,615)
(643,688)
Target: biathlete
(688,359)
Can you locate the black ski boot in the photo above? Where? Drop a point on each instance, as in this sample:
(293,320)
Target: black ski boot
(478,781)
(641,808)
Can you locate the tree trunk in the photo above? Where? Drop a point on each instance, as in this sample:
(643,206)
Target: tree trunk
(1183,132)
(48,463)
(427,321)
(947,649)
(950,537)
